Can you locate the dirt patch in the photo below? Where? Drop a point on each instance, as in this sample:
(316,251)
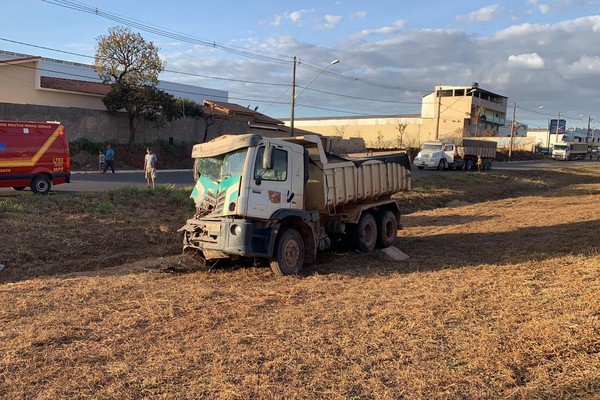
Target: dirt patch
(498,300)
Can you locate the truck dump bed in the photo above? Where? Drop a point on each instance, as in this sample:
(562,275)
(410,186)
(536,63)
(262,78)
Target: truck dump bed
(337,180)
(474,147)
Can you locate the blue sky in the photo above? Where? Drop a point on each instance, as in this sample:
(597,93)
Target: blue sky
(536,52)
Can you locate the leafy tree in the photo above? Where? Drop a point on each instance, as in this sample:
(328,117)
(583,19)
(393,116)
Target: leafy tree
(131,66)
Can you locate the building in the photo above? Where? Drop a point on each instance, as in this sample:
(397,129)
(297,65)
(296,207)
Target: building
(447,112)
(40,89)
(28,79)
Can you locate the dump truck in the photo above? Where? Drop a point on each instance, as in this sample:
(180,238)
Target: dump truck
(285,199)
(459,153)
(570,151)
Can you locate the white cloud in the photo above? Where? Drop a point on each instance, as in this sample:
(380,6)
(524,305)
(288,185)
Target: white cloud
(384,30)
(544,8)
(276,21)
(297,16)
(484,14)
(585,67)
(329,22)
(360,14)
(530,61)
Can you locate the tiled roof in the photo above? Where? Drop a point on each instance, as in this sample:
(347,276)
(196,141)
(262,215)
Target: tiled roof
(72,85)
(19,60)
(232,108)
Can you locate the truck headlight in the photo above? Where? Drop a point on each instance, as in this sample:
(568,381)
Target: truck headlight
(236,230)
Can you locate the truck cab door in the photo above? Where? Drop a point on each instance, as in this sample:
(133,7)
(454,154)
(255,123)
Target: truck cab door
(270,188)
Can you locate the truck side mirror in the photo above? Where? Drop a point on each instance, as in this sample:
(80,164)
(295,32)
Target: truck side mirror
(267,161)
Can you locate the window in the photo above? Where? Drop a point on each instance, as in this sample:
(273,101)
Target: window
(280,166)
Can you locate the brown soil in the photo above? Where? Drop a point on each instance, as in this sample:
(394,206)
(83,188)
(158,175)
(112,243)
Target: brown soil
(498,300)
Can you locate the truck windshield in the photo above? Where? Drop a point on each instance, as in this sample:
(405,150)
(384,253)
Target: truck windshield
(220,167)
(432,147)
(560,147)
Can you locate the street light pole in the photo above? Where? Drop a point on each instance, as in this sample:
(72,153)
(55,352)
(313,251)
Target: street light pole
(512,132)
(295,96)
(438,93)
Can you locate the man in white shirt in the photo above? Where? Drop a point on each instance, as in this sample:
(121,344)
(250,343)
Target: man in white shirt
(150,167)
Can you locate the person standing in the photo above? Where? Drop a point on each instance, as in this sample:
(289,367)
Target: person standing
(479,163)
(150,167)
(101,161)
(109,159)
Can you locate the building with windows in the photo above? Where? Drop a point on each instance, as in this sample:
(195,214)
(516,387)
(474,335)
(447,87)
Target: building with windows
(447,112)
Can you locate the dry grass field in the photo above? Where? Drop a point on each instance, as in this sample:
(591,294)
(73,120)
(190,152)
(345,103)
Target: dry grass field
(500,299)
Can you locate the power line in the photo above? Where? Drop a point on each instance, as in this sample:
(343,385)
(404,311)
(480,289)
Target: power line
(240,51)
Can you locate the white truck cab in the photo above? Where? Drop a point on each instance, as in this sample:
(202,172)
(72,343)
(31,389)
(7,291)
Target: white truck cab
(436,154)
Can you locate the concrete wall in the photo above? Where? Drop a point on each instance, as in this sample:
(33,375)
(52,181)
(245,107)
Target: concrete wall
(103,126)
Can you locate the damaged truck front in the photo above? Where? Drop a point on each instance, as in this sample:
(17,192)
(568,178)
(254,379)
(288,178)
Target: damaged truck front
(283,199)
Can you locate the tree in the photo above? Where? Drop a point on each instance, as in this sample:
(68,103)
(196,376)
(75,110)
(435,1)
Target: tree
(131,66)
(401,128)
(477,117)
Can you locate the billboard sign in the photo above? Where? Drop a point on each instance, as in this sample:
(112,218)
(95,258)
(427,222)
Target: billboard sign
(562,125)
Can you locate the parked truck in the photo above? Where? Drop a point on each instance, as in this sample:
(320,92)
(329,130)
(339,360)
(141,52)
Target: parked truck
(456,154)
(570,151)
(285,199)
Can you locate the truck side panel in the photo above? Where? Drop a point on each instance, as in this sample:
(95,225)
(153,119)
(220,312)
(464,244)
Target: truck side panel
(341,183)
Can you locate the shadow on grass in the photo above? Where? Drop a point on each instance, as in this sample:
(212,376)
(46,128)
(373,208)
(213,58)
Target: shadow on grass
(456,250)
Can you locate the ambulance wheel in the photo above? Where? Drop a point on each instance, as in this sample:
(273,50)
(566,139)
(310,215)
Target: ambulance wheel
(289,252)
(18,187)
(387,228)
(366,233)
(40,185)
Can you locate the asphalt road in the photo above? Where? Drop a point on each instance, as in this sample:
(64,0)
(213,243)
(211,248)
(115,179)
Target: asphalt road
(96,182)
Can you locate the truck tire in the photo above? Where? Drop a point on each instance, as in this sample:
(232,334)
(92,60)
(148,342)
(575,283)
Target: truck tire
(442,165)
(366,233)
(489,165)
(288,257)
(40,185)
(387,228)
(469,165)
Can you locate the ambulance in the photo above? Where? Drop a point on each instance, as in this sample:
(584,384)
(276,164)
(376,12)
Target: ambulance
(34,154)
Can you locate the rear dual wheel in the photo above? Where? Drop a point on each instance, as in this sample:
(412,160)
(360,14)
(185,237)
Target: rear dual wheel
(379,230)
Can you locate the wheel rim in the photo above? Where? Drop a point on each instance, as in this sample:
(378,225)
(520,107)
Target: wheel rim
(369,233)
(389,229)
(291,253)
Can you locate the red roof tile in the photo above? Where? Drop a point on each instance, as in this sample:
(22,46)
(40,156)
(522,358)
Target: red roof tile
(72,85)
(231,109)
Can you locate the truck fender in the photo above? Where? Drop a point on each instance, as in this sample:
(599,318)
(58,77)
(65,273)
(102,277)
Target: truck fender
(301,221)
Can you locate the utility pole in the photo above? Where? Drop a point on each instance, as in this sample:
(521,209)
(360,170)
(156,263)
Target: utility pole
(293,98)
(438,91)
(557,125)
(512,132)
(588,131)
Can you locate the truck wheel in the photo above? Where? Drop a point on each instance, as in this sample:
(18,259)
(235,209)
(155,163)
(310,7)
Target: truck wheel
(489,165)
(289,252)
(442,165)
(40,185)
(366,233)
(387,228)
(469,165)
(18,187)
